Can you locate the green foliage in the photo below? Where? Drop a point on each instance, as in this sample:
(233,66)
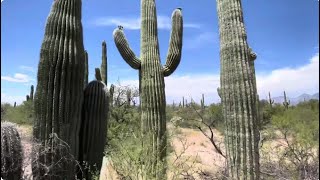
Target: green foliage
(301,122)
(22,114)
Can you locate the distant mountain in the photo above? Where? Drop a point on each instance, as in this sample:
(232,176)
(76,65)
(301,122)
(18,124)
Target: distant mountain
(296,100)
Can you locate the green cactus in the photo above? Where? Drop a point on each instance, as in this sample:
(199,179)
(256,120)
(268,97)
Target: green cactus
(27,97)
(111,92)
(238,93)
(59,94)
(93,131)
(86,70)
(183,101)
(104,65)
(202,102)
(15,104)
(285,102)
(11,152)
(151,78)
(129,97)
(98,74)
(31,92)
(271,101)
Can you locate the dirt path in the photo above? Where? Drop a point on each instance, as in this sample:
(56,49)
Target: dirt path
(26,142)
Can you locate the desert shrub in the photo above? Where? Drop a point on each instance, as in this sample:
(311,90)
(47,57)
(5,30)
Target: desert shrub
(22,114)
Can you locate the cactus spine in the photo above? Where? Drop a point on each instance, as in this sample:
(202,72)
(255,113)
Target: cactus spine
(11,152)
(271,101)
(93,129)
(151,78)
(104,65)
(285,102)
(238,93)
(59,93)
(31,92)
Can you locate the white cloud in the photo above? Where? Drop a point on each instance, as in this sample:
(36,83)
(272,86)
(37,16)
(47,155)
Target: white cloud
(18,77)
(294,81)
(27,68)
(200,40)
(11,99)
(130,23)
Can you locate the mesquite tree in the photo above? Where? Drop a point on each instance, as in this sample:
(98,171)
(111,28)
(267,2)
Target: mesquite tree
(151,80)
(238,93)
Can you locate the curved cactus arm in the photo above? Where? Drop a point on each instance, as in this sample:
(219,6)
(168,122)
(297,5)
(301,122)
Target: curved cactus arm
(174,52)
(124,49)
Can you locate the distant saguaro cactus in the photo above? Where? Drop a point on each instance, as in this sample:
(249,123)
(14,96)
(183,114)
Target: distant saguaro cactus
(285,102)
(98,74)
(15,104)
(86,69)
(202,102)
(31,92)
(151,78)
(238,93)
(104,65)
(183,101)
(11,152)
(111,93)
(271,101)
(27,97)
(129,97)
(60,82)
(93,131)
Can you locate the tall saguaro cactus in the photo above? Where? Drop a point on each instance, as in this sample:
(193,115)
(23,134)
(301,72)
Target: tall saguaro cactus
(104,65)
(238,93)
(151,77)
(59,93)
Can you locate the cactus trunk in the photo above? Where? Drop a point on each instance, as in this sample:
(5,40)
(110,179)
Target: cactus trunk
(11,152)
(238,93)
(31,92)
(59,93)
(93,131)
(151,82)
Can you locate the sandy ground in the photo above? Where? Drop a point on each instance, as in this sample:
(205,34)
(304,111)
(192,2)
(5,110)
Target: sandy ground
(194,150)
(26,141)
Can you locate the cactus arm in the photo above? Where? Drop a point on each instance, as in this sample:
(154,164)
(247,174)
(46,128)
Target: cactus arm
(98,74)
(124,49)
(174,52)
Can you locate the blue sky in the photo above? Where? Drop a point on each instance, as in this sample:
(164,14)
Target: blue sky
(284,34)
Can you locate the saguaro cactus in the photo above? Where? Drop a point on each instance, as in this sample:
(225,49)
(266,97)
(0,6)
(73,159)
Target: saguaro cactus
(104,65)
(93,131)
(238,93)
(15,104)
(271,101)
(11,152)
(27,97)
(59,94)
(86,69)
(151,78)
(98,74)
(285,102)
(202,102)
(31,92)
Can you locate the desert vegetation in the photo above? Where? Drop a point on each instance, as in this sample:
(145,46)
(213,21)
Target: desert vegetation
(70,128)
